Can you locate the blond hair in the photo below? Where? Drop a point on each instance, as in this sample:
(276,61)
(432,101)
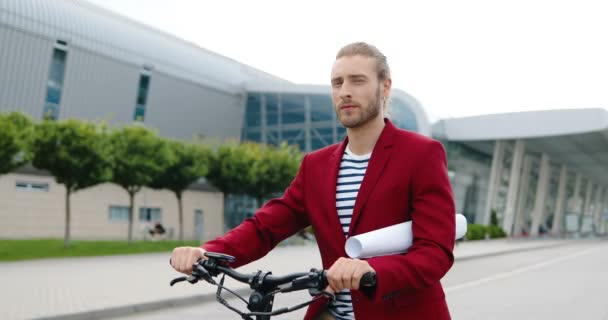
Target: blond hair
(367,50)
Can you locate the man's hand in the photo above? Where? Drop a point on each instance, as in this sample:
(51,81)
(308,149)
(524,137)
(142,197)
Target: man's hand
(346,274)
(183,258)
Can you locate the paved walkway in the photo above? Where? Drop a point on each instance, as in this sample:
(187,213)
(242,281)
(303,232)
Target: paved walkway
(88,288)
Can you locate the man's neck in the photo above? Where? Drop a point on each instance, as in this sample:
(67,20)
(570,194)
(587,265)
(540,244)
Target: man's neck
(362,139)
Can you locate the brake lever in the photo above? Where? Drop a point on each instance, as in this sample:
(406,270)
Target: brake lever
(176,280)
(320,284)
(199,272)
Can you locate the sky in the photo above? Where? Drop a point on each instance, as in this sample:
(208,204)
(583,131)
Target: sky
(458,58)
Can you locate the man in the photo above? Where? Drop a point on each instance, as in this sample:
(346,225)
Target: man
(377,177)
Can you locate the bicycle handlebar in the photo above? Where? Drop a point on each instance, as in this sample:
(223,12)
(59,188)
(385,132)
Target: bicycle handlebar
(217,263)
(265,285)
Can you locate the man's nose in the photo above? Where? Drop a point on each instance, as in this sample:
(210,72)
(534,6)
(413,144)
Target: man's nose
(345,92)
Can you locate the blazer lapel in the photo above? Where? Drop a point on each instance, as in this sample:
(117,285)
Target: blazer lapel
(380,156)
(330,185)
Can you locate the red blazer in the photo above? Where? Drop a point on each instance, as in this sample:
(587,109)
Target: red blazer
(406,179)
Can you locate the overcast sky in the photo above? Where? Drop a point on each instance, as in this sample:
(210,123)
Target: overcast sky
(458,58)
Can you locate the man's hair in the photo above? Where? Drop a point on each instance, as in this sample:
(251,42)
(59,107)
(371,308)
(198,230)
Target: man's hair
(367,50)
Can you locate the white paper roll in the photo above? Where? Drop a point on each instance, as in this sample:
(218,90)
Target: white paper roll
(391,240)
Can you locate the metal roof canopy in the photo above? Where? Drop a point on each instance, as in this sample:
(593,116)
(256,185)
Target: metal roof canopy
(577,138)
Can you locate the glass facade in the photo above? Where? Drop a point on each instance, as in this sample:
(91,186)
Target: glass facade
(402,116)
(55,84)
(469,174)
(306,120)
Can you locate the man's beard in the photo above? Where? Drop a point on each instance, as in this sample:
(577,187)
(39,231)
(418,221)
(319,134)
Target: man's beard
(367,114)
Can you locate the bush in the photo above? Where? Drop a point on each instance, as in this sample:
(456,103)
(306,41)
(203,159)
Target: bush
(495,232)
(475,232)
(494,218)
(479,232)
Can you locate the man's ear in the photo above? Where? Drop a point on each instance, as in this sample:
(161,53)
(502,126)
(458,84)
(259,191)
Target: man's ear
(386,87)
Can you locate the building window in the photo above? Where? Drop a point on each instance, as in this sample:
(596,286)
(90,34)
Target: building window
(321,108)
(55,84)
(293,110)
(118,214)
(142,97)
(253,111)
(150,214)
(32,186)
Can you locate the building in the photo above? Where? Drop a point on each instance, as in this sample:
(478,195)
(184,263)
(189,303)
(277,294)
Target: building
(70,59)
(540,171)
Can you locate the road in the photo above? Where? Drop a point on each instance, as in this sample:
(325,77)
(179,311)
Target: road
(566,282)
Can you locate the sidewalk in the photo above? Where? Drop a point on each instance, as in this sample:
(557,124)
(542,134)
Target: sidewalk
(94,287)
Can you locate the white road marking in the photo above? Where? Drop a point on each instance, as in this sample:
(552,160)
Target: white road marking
(515,271)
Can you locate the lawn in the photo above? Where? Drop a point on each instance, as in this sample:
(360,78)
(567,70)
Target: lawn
(13,250)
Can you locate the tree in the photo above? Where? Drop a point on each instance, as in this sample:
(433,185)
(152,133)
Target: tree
(10,149)
(189,162)
(273,170)
(76,153)
(15,137)
(139,157)
(252,169)
(229,167)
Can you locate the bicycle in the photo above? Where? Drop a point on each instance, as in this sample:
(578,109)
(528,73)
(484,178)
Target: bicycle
(264,285)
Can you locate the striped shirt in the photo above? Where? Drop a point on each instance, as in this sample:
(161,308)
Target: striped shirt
(350,176)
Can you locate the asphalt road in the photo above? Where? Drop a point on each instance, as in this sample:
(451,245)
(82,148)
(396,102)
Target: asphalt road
(566,282)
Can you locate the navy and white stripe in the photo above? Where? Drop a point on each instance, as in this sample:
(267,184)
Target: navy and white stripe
(350,176)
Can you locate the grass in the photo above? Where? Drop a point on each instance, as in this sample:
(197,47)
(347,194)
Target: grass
(14,250)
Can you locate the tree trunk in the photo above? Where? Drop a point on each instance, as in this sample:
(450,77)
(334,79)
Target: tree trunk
(66,237)
(181,215)
(131,201)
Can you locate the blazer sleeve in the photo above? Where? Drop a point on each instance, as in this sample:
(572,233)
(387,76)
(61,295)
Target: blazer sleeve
(275,221)
(433,226)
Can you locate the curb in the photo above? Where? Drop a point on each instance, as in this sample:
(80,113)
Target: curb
(127,310)
(510,251)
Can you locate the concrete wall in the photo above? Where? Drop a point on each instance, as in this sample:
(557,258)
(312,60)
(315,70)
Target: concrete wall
(41,214)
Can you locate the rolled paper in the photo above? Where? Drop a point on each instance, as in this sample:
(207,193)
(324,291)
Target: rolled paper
(390,240)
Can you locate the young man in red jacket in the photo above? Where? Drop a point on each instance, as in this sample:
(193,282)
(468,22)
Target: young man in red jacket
(377,177)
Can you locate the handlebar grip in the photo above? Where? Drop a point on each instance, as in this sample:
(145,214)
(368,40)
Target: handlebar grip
(368,280)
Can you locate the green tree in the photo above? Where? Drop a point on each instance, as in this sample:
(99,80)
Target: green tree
(76,153)
(15,139)
(24,125)
(229,167)
(273,169)
(11,152)
(189,162)
(140,156)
